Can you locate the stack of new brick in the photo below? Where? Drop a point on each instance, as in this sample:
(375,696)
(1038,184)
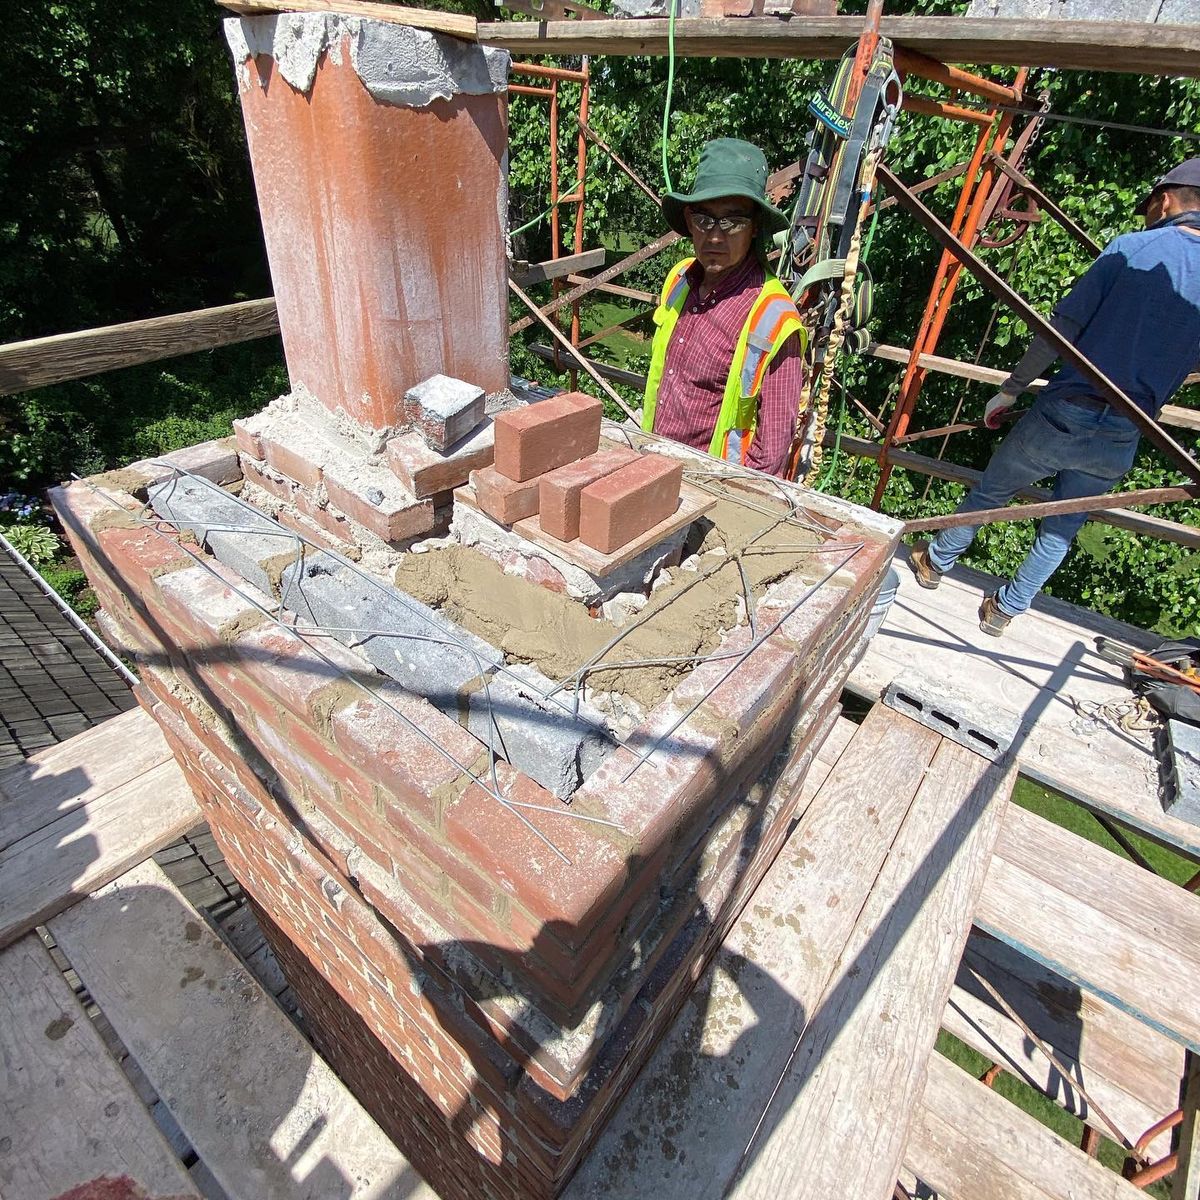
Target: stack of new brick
(548,464)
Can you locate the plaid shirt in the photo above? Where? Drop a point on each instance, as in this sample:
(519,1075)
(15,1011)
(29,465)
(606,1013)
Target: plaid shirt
(696,370)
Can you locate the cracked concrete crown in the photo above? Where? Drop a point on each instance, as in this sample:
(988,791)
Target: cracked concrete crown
(396,63)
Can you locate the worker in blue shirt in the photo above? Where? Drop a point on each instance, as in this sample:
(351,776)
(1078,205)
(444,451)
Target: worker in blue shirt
(1135,313)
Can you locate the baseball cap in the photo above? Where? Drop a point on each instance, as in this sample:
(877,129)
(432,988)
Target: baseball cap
(1187,174)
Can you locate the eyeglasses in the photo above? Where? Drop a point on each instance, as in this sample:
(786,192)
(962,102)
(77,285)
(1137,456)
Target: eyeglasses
(706,222)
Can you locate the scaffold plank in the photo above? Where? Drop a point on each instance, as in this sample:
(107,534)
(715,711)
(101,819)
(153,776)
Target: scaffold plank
(70,1117)
(1080,45)
(96,833)
(839,1122)
(969,1143)
(683,1131)
(1044,678)
(266,1115)
(1097,920)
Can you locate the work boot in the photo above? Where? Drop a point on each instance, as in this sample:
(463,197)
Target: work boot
(992,618)
(928,576)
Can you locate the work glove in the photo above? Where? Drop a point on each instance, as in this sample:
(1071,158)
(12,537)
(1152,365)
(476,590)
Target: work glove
(998,407)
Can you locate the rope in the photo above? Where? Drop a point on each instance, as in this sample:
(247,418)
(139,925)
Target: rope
(841,318)
(670,91)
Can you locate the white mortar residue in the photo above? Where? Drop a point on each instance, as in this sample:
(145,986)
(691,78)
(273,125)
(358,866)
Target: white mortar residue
(396,63)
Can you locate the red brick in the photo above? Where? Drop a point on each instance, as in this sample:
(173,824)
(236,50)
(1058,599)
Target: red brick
(412,766)
(526,867)
(291,463)
(558,499)
(503,499)
(428,473)
(540,437)
(616,509)
(249,442)
(389,521)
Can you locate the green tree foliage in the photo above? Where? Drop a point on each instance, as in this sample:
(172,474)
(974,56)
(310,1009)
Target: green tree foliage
(125,193)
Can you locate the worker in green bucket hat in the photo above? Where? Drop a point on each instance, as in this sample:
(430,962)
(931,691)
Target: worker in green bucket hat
(727,366)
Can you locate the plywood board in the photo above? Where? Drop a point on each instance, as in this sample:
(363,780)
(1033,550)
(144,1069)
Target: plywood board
(68,1115)
(839,1122)
(90,843)
(264,1112)
(1043,674)
(74,773)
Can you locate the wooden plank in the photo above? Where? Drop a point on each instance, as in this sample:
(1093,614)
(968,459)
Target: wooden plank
(1172,414)
(262,1110)
(694,1108)
(1119,518)
(839,1122)
(456,24)
(1131,1071)
(526,274)
(1042,678)
(68,1114)
(42,361)
(72,774)
(85,848)
(969,1143)
(618,289)
(827,756)
(1099,921)
(1078,45)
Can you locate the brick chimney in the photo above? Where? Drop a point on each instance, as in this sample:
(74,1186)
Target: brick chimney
(379,157)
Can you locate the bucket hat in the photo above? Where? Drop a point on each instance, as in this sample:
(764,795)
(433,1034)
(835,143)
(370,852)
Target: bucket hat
(1187,174)
(728,167)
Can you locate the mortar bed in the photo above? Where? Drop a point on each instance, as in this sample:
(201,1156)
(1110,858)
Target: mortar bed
(682,617)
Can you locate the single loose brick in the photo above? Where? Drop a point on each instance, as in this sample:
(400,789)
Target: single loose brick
(621,506)
(540,437)
(443,410)
(503,499)
(558,498)
(429,473)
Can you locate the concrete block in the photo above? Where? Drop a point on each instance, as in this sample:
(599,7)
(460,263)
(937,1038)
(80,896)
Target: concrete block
(408,641)
(537,736)
(951,713)
(253,545)
(443,410)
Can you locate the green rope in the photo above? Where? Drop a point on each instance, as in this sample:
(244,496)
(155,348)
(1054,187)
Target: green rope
(543,215)
(670,90)
(827,477)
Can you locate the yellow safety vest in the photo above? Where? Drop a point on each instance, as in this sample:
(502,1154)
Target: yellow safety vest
(773,319)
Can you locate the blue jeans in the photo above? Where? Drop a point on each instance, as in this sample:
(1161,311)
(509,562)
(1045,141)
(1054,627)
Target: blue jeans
(1086,450)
